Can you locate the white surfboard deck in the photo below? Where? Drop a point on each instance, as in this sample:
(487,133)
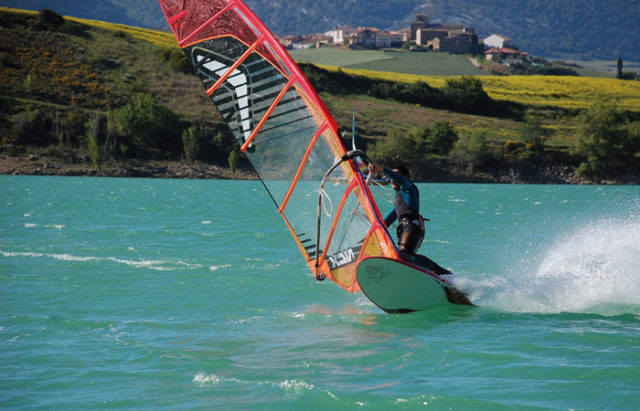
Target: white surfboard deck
(397,287)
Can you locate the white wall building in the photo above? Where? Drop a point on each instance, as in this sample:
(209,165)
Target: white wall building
(497,41)
(340,35)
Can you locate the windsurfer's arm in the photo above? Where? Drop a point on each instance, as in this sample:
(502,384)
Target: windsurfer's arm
(401,180)
(391,217)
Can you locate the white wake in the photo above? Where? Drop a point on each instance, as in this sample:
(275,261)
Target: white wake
(591,269)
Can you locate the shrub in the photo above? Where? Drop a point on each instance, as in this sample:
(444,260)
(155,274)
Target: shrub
(533,136)
(192,143)
(233,160)
(34,128)
(50,19)
(93,144)
(466,94)
(441,138)
(513,148)
(471,150)
(150,124)
(604,141)
(177,60)
(401,146)
(73,125)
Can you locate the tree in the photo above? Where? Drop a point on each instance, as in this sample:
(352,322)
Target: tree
(50,19)
(192,143)
(604,141)
(35,127)
(177,60)
(533,135)
(441,138)
(471,150)
(150,124)
(401,146)
(93,131)
(233,159)
(466,93)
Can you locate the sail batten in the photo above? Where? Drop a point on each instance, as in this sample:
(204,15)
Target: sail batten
(270,110)
(285,131)
(302,163)
(233,69)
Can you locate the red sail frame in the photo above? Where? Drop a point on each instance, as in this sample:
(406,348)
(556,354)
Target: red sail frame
(197,21)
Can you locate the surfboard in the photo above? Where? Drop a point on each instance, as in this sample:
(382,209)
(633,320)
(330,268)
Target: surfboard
(398,287)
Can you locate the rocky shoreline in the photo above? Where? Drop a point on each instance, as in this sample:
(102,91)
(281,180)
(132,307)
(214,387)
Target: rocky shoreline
(51,166)
(34,164)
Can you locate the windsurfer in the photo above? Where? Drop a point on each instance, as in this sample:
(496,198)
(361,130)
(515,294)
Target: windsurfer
(406,210)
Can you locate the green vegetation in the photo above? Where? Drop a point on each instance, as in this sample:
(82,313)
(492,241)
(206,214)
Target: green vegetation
(605,142)
(149,124)
(432,63)
(92,141)
(104,94)
(96,92)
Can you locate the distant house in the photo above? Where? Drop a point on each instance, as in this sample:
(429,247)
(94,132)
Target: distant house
(449,37)
(505,54)
(365,37)
(422,21)
(299,42)
(341,35)
(384,39)
(456,44)
(424,36)
(497,41)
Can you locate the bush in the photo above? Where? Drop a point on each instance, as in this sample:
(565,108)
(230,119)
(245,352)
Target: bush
(177,60)
(604,142)
(466,94)
(73,126)
(193,143)
(401,146)
(513,148)
(233,159)
(471,151)
(150,124)
(533,136)
(93,144)
(50,19)
(34,128)
(441,138)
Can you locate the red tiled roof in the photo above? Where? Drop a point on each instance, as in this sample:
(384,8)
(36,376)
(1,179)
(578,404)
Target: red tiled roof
(503,50)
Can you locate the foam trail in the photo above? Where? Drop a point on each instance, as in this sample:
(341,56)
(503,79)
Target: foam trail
(592,269)
(159,265)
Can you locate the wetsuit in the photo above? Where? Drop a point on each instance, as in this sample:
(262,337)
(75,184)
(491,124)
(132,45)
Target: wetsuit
(410,230)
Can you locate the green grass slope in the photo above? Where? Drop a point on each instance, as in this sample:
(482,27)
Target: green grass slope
(95,68)
(398,61)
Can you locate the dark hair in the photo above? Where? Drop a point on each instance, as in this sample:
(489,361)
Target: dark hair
(403,171)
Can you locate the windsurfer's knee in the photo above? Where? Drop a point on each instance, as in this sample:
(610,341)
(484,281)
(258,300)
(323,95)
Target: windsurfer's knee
(406,256)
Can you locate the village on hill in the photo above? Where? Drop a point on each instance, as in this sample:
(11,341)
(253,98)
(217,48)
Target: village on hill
(494,53)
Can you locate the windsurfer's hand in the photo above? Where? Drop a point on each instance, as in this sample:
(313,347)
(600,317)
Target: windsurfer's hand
(374,168)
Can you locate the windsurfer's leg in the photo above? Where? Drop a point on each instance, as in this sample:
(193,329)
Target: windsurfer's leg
(429,264)
(409,240)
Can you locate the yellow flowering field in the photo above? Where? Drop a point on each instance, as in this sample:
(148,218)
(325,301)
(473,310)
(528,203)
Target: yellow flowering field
(563,91)
(556,91)
(156,37)
(159,38)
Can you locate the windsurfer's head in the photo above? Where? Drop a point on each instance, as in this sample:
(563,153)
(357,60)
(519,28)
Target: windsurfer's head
(403,171)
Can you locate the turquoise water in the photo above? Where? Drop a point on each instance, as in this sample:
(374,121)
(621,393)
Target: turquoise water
(141,293)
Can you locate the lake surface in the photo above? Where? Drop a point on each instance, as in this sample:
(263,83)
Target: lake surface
(191,294)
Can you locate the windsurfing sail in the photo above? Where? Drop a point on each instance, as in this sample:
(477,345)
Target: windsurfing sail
(286,132)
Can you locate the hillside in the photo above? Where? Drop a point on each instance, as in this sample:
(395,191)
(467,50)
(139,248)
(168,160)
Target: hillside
(580,29)
(70,89)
